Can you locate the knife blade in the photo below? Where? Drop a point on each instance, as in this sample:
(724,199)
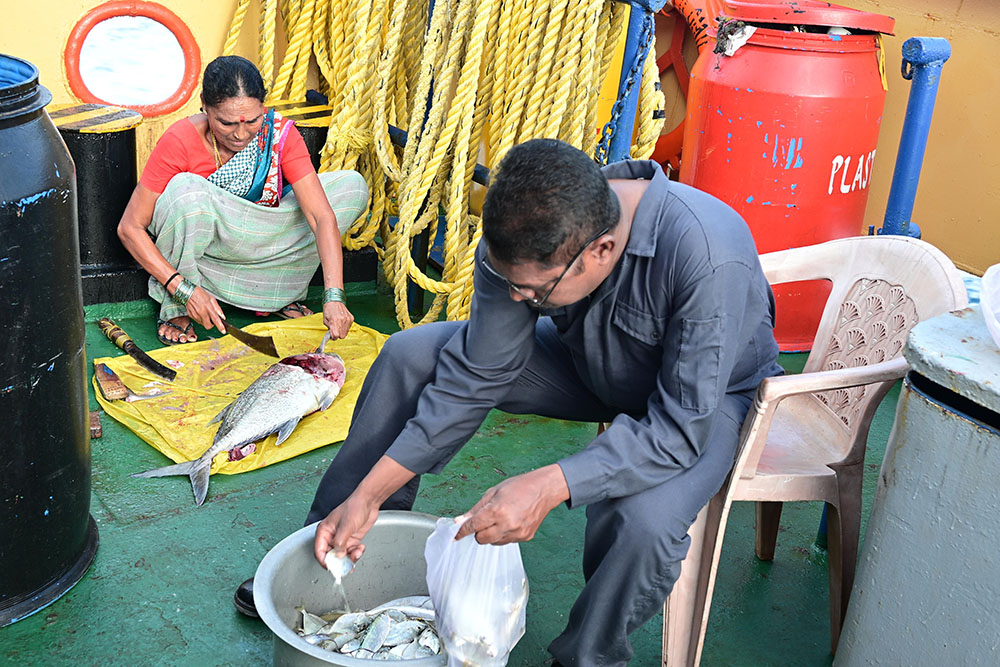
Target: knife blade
(263,344)
(118,336)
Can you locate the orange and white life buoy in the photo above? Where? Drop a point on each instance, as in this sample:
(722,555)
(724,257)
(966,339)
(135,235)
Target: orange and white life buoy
(698,16)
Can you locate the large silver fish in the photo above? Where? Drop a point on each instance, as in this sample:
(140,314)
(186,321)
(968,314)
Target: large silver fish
(285,393)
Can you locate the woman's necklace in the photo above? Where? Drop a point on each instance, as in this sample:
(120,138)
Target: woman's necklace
(215,147)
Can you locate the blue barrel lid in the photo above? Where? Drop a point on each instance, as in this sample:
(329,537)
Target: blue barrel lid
(955,351)
(20,92)
(808,12)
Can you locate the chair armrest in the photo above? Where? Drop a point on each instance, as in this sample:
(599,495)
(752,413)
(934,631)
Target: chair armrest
(773,390)
(776,388)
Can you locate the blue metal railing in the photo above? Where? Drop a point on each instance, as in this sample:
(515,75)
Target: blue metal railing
(923,58)
(617,140)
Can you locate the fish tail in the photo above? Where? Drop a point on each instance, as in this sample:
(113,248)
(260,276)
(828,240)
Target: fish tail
(197,470)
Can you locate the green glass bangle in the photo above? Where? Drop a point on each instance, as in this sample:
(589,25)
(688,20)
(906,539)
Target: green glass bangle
(183,292)
(334,294)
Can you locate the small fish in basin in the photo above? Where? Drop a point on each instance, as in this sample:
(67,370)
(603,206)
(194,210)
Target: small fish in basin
(402,629)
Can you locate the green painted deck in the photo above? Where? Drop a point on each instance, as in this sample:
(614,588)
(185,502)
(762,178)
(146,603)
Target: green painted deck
(160,589)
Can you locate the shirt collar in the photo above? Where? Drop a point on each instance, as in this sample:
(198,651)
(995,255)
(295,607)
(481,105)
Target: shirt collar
(645,221)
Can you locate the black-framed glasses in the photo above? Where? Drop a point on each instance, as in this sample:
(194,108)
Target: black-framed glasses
(530,294)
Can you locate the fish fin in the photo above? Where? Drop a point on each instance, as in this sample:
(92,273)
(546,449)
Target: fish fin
(328,399)
(286,429)
(222,415)
(197,470)
(166,471)
(199,481)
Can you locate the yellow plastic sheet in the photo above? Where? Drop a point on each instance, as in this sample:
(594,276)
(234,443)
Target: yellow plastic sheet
(211,373)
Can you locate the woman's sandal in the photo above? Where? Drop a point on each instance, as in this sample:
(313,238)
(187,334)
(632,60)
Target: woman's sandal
(187,331)
(302,310)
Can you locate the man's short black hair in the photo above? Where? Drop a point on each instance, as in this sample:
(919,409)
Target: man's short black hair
(545,199)
(230,76)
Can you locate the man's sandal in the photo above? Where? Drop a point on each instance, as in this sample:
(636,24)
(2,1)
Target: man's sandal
(243,599)
(187,331)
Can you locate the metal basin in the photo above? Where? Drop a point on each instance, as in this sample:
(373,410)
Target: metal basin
(289,577)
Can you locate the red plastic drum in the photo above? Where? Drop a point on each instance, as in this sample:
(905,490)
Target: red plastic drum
(785,131)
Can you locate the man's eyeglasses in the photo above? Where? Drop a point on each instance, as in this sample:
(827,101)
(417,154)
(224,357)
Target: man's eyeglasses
(531,295)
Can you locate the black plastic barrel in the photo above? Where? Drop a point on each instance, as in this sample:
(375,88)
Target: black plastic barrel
(47,537)
(101,140)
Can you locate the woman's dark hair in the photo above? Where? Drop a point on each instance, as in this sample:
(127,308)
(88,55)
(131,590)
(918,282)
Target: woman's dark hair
(545,196)
(230,76)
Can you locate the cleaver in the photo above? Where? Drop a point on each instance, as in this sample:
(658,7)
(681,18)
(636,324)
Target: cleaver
(263,344)
(117,336)
(113,389)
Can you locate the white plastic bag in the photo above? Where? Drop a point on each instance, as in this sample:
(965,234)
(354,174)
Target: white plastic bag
(480,593)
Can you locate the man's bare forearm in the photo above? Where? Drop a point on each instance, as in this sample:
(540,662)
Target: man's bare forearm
(384,479)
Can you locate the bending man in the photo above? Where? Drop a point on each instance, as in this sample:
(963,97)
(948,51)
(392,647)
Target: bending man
(613,296)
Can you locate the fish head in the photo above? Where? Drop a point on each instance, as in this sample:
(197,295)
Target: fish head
(329,367)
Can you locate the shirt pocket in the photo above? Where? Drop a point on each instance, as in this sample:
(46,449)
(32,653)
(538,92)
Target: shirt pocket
(639,324)
(698,363)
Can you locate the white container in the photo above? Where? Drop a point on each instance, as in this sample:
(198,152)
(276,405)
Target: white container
(289,576)
(989,298)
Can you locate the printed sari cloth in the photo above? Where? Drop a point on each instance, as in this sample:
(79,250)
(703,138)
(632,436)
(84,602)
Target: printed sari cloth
(254,173)
(250,256)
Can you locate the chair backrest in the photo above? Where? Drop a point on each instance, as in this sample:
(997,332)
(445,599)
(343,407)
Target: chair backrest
(881,287)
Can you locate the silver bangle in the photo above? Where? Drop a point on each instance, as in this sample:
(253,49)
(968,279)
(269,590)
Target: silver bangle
(183,292)
(334,294)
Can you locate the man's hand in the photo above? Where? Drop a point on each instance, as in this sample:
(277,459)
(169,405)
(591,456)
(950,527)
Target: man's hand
(513,510)
(337,318)
(205,310)
(343,529)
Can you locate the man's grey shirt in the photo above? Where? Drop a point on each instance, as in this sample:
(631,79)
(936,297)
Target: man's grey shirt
(684,318)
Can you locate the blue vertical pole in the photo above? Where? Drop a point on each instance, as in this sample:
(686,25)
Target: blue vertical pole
(923,58)
(640,19)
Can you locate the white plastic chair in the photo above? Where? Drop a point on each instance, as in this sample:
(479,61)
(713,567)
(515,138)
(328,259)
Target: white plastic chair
(805,436)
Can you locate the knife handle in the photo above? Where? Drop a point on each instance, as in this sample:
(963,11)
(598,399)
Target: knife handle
(114,333)
(109,383)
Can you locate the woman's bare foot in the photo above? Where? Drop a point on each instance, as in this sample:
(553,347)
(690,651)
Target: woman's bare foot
(176,330)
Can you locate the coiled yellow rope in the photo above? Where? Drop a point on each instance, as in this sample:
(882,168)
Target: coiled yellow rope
(229,48)
(265,47)
(651,109)
(483,74)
